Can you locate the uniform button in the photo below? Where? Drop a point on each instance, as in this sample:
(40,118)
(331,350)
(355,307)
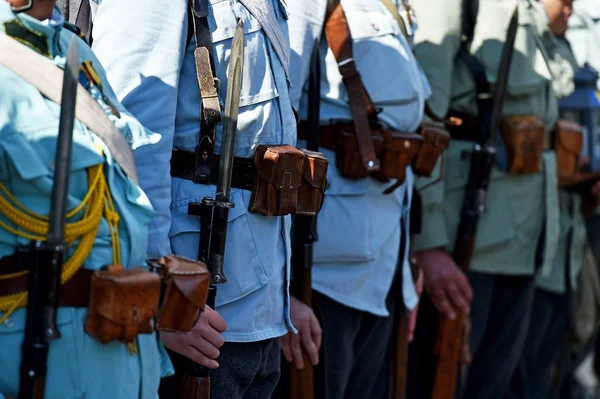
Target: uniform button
(9,323)
(375,26)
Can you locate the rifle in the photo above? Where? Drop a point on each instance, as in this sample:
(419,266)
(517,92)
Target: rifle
(45,259)
(449,336)
(302,382)
(213,213)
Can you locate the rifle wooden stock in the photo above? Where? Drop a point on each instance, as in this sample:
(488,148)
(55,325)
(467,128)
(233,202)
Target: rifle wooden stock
(448,348)
(450,332)
(194,387)
(302,381)
(400,356)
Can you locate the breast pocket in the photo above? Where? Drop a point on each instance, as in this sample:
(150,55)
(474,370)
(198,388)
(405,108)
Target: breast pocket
(387,66)
(258,82)
(528,59)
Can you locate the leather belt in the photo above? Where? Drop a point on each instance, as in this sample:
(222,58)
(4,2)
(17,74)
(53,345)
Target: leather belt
(328,134)
(183,166)
(74,293)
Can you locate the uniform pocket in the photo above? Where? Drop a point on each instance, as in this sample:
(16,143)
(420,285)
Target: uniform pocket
(63,379)
(243,268)
(258,83)
(528,58)
(347,230)
(496,224)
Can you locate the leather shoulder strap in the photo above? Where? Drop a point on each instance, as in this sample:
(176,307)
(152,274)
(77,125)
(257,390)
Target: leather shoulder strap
(47,78)
(337,32)
(208,83)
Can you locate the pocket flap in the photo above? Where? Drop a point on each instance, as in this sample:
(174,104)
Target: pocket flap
(435,135)
(314,169)
(281,165)
(403,142)
(569,136)
(522,123)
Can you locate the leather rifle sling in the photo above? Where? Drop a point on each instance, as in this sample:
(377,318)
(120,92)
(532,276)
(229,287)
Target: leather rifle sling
(337,32)
(210,113)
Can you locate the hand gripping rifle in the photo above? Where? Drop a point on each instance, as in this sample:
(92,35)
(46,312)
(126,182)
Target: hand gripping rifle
(45,259)
(213,214)
(449,337)
(302,382)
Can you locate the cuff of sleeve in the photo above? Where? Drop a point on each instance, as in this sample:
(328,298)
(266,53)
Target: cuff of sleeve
(433,230)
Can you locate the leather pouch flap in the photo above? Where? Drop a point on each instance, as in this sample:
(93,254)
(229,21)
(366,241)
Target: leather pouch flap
(281,166)
(403,142)
(314,169)
(190,277)
(522,123)
(435,134)
(569,135)
(129,297)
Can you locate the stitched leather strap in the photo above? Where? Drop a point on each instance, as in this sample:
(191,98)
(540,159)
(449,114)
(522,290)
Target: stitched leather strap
(339,39)
(210,112)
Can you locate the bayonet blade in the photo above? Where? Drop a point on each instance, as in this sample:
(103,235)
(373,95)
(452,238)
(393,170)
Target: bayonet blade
(314,98)
(501,86)
(64,146)
(230,118)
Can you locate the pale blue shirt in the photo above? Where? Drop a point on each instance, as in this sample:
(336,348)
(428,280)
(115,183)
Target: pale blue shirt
(143,46)
(78,365)
(357,254)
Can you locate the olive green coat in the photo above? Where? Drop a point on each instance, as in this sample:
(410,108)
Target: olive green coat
(519,207)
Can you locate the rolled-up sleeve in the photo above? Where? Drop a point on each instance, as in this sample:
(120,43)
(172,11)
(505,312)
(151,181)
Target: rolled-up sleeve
(141,45)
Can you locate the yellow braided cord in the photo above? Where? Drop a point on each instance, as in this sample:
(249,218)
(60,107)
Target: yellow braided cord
(95,169)
(99,202)
(13,275)
(111,215)
(40,228)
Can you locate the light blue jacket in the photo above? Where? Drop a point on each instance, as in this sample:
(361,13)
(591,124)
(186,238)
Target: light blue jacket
(357,254)
(78,365)
(143,46)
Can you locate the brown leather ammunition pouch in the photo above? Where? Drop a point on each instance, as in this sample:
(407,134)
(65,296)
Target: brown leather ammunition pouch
(281,171)
(395,151)
(567,140)
(314,179)
(185,288)
(122,303)
(523,137)
(435,141)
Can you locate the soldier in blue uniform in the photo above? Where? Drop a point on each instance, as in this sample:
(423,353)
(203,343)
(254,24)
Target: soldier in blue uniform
(148,51)
(78,365)
(358,254)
